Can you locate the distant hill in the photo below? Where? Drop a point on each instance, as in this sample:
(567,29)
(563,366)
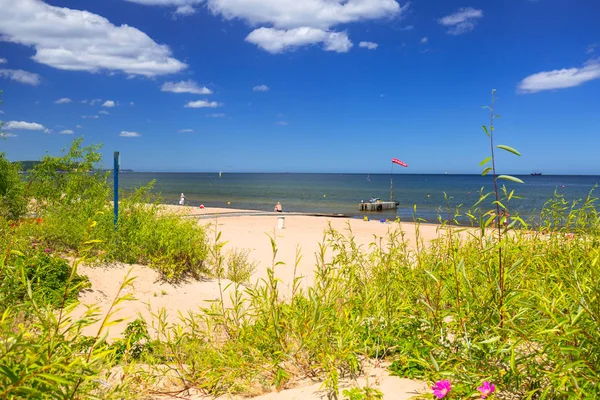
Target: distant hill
(27,165)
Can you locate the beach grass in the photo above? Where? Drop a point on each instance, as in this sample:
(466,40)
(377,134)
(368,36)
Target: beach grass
(518,308)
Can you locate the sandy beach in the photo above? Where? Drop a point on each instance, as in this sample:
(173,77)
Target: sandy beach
(301,233)
(242,230)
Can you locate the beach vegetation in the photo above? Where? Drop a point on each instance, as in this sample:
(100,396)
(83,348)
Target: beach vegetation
(501,307)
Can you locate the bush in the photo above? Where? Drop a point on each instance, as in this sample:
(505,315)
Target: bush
(147,234)
(13,204)
(47,276)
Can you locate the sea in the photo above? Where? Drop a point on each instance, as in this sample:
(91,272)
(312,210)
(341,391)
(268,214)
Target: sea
(420,196)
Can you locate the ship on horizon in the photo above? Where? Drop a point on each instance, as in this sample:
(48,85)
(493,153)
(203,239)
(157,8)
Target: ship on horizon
(536,173)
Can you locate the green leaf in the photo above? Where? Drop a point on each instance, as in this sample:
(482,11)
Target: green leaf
(486,171)
(487,160)
(485,129)
(510,178)
(509,149)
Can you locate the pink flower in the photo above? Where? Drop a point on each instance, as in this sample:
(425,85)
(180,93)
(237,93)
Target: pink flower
(441,388)
(47,251)
(486,389)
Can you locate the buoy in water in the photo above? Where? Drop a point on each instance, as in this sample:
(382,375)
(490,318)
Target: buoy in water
(201,206)
(228,203)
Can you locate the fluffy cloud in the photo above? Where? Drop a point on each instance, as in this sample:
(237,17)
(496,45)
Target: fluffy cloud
(77,40)
(66,132)
(185,87)
(103,112)
(79,127)
(560,78)
(64,100)
(368,45)
(288,24)
(261,88)
(185,11)
(425,40)
(7,135)
(90,117)
(286,14)
(108,104)
(3,61)
(129,134)
(202,104)
(278,41)
(25,126)
(18,75)
(186,131)
(215,115)
(462,21)
(166,2)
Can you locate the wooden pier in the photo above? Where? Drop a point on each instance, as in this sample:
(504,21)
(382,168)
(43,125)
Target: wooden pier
(379,206)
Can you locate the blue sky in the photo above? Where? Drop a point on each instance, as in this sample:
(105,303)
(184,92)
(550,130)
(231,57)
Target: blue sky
(311,86)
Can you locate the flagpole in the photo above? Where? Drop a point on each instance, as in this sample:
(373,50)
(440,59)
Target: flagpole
(392,182)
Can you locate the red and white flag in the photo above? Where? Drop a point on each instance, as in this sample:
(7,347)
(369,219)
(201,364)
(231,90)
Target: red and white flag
(402,163)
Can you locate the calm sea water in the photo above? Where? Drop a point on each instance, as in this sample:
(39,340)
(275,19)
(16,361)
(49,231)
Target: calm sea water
(341,193)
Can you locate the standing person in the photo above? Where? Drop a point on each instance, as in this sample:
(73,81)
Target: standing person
(278,207)
(182,200)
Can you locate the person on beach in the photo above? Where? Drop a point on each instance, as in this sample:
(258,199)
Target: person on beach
(278,207)
(182,200)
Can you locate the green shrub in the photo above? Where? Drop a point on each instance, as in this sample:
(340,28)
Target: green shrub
(42,354)
(149,235)
(13,203)
(46,274)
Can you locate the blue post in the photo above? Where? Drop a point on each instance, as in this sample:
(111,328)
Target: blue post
(116,188)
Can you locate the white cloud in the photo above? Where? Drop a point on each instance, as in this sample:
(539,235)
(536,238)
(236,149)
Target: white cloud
(283,123)
(90,117)
(64,100)
(18,75)
(7,135)
(185,10)
(202,104)
(166,2)
(408,28)
(186,131)
(48,131)
(560,78)
(25,126)
(215,115)
(368,45)
(79,127)
(425,40)
(1,112)
(130,134)
(108,104)
(132,104)
(462,21)
(77,40)
(591,49)
(103,112)
(185,87)
(286,14)
(3,61)
(66,132)
(261,88)
(288,24)
(278,41)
